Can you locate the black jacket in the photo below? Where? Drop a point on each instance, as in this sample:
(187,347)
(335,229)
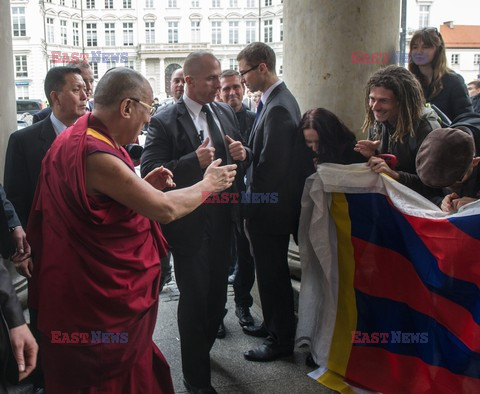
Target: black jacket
(453,99)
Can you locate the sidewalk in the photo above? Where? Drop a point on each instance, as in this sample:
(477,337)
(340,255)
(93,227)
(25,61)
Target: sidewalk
(231,373)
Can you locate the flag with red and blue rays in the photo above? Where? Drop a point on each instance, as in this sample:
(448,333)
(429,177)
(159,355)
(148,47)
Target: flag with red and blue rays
(390,298)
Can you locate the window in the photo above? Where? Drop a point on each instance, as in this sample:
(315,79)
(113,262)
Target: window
(233,32)
(148,3)
(74,4)
(424,16)
(130,64)
(233,64)
(63,32)
(127,3)
(94,67)
(50,31)
(216,32)
(21,66)
(281,70)
(22,92)
(233,3)
(281,29)
(172,3)
(195,4)
(108,3)
(268,2)
(195,28)
(172,32)
(18,21)
(62,2)
(455,59)
(215,3)
(75,34)
(110,34)
(128,34)
(91,34)
(150,32)
(476,59)
(251,31)
(268,30)
(90,3)
(250,3)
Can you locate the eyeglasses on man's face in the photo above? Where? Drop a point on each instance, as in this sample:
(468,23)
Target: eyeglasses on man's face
(242,73)
(149,107)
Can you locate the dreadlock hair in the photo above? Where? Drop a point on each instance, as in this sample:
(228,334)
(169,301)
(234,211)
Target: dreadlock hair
(409,95)
(432,37)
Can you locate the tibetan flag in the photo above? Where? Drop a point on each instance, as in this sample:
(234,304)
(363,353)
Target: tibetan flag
(390,298)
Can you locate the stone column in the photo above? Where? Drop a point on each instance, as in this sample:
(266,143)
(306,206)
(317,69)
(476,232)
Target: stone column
(161,77)
(324,39)
(8,106)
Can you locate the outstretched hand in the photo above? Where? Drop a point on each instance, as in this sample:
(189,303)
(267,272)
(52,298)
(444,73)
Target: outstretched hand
(160,178)
(220,177)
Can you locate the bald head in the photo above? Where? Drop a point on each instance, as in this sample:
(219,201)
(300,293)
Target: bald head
(176,84)
(119,83)
(195,62)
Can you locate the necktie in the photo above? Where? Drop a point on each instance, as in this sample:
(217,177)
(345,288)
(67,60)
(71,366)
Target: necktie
(259,110)
(215,135)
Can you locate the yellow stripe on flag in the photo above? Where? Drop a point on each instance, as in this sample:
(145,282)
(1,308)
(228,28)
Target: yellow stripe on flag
(346,318)
(335,382)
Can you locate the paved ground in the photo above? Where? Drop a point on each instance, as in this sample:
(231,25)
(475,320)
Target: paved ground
(231,373)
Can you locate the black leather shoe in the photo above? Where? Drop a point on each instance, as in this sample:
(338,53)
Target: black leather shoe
(244,316)
(198,390)
(268,352)
(256,331)
(222,332)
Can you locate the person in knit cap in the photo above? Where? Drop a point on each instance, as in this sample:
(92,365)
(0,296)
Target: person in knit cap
(446,159)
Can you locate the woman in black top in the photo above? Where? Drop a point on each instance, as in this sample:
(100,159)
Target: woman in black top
(441,86)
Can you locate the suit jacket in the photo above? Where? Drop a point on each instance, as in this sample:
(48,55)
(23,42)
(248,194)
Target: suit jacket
(272,141)
(26,149)
(171,142)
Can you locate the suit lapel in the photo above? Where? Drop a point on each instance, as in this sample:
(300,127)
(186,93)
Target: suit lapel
(223,130)
(187,124)
(47,135)
(259,121)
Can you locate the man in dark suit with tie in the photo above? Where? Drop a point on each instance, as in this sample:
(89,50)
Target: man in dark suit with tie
(186,137)
(269,225)
(66,93)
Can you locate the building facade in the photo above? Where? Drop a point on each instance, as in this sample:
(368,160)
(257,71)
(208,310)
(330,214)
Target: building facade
(151,36)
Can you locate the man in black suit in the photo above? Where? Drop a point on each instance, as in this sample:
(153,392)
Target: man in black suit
(186,137)
(269,225)
(27,147)
(232,92)
(87,76)
(15,337)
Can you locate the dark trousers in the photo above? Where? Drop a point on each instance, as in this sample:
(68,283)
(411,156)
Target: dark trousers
(245,271)
(274,285)
(202,281)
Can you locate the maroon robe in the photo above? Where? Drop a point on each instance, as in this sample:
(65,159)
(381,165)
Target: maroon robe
(96,268)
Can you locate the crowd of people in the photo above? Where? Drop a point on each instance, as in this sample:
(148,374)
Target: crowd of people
(101,237)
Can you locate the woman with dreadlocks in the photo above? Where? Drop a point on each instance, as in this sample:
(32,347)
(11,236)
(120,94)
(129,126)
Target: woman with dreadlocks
(441,86)
(397,122)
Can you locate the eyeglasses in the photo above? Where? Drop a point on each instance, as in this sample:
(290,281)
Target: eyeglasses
(242,73)
(149,107)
